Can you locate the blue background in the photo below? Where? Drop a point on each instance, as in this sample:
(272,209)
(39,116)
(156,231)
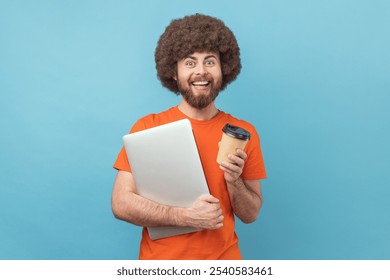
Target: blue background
(75,76)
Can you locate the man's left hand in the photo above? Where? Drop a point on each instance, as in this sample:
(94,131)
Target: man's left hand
(234,167)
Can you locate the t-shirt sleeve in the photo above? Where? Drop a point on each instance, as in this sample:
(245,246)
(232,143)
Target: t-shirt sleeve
(254,168)
(122,162)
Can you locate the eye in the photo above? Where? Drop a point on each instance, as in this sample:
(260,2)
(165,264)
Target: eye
(190,63)
(209,62)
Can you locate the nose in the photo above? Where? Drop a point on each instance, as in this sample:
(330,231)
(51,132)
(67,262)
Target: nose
(200,69)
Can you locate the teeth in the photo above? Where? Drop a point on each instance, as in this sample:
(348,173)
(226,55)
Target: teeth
(200,83)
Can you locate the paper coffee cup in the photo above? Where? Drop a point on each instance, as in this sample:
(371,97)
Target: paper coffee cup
(233,137)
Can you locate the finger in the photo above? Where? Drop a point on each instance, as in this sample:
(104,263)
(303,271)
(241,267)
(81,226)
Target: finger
(240,153)
(236,160)
(226,170)
(219,225)
(230,167)
(220,219)
(219,222)
(208,198)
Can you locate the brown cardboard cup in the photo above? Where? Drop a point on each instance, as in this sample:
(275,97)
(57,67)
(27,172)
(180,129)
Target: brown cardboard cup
(233,137)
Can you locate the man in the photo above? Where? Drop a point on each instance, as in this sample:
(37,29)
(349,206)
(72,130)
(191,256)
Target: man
(197,57)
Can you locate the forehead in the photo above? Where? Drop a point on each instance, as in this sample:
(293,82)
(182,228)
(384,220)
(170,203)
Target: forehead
(202,55)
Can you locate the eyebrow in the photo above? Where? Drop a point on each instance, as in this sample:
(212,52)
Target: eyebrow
(207,57)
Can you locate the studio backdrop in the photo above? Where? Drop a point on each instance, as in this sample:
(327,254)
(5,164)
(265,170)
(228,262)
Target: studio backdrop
(315,82)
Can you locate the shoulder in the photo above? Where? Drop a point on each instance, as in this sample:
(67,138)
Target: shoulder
(239,122)
(155,119)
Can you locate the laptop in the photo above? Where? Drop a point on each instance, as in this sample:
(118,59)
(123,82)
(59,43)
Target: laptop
(167,169)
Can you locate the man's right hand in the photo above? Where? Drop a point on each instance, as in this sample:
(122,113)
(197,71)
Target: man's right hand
(205,213)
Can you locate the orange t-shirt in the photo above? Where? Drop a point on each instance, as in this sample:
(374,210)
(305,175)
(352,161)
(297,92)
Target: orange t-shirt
(206,244)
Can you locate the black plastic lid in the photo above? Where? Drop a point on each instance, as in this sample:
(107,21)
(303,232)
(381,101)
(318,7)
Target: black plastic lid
(236,132)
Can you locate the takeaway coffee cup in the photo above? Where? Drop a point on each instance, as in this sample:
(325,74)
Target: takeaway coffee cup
(233,137)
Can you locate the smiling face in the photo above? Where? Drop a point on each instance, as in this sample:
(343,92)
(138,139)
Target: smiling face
(199,78)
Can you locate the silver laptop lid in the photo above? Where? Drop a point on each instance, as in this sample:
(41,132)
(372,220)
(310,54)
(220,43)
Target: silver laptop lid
(167,168)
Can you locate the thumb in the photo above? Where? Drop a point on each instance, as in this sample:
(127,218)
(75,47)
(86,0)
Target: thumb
(209,198)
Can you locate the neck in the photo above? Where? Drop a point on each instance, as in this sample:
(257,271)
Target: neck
(198,114)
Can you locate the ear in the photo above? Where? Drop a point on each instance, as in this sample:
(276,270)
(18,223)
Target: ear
(175,73)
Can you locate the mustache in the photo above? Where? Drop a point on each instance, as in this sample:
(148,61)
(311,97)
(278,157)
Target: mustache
(202,78)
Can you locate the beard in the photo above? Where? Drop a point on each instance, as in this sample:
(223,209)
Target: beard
(201,100)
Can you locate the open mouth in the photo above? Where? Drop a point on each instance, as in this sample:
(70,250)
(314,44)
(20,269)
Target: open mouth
(200,83)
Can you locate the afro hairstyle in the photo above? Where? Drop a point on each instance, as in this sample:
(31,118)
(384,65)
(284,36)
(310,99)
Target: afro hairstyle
(196,33)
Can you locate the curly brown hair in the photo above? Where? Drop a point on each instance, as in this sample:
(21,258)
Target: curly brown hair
(196,33)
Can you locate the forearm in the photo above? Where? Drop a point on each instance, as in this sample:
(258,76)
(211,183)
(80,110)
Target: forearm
(246,203)
(140,211)
(127,205)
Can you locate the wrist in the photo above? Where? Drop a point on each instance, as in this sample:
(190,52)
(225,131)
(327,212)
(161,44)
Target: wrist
(237,183)
(179,216)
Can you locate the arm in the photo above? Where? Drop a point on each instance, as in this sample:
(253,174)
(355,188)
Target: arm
(245,195)
(127,205)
